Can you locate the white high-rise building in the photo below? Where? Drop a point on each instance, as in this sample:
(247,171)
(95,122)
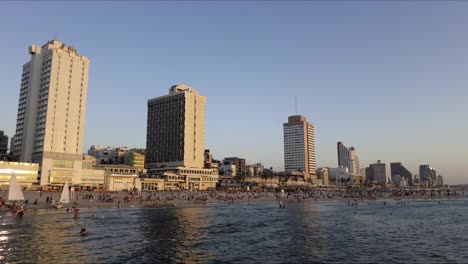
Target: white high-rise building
(299,146)
(51,111)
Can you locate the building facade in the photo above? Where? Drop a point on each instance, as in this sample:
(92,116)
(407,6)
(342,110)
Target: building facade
(258,169)
(119,177)
(135,158)
(299,146)
(398,168)
(175,140)
(176,129)
(239,163)
(209,162)
(339,176)
(323,176)
(26,173)
(347,157)
(228,169)
(51,111)
(439,181)
(427,175)
(3,145)
(379,173)
(91,175)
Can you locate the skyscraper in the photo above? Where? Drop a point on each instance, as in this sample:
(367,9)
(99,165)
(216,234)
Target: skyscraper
(347,157)
(427,175)
(51,111)
(3,145)
(175,140)
(379,172)
(343,155)
(299,146)
(176,129)
(398,168)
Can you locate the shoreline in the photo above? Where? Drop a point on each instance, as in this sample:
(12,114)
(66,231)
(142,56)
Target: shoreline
(202,199)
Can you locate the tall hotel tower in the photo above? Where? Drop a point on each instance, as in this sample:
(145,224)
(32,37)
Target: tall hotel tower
(299,146)
(51,111)
(176,129)
(175,140)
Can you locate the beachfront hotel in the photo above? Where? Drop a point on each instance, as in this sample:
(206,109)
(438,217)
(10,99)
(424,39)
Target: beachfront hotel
(299,146)
(51,112)
(175,140)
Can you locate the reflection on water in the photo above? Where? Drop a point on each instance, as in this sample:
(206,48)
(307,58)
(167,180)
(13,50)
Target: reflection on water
(245,233)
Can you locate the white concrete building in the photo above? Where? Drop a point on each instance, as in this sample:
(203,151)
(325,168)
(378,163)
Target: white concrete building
(120,177)
(323,176)
(338,175)
(299,146)
(228,169)
(51,112)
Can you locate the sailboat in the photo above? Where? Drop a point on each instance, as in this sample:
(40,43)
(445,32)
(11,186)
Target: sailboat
(64,197)
(14,192)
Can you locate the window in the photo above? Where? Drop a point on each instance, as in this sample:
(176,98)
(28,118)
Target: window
(63,163)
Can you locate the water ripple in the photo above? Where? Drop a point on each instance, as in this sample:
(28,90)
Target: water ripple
(310,232)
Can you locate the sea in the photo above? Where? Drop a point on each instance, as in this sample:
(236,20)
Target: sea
(246,232)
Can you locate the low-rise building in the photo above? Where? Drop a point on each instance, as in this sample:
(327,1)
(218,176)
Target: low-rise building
(258,169)
(152,184)
(135,158)
(91,176)
(228,169)
(182,178)
(323,175)
(339,176)
(250,169)
(119,177)
(26,173)
(239,163)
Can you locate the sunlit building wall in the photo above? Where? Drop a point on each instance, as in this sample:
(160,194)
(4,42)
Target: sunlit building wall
(26,173)
(51,111)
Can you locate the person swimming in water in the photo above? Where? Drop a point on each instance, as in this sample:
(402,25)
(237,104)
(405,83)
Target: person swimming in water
(83,232)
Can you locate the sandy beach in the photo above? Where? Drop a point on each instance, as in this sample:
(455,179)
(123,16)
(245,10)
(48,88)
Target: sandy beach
(87,200)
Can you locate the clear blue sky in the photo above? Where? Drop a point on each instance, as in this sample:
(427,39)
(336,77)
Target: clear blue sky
(389,78)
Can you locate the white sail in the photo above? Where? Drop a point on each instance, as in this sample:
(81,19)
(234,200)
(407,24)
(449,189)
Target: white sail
(65,197)
(14,193)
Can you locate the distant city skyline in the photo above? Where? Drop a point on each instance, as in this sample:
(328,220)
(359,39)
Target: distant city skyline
(388,77)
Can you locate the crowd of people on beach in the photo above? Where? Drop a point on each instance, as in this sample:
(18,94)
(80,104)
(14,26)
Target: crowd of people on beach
(89,199)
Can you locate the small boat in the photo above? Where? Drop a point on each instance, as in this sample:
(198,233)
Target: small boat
(15,194)
(14,191)
(64,197)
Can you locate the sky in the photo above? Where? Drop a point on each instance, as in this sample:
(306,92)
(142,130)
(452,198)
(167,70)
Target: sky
(389,78)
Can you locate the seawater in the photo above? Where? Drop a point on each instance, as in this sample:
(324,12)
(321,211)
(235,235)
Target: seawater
(303,232)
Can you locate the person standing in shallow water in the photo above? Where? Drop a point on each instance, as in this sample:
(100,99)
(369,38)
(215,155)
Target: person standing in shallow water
(77,213)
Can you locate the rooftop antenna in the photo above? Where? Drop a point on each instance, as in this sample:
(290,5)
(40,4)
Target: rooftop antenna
(295,99)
